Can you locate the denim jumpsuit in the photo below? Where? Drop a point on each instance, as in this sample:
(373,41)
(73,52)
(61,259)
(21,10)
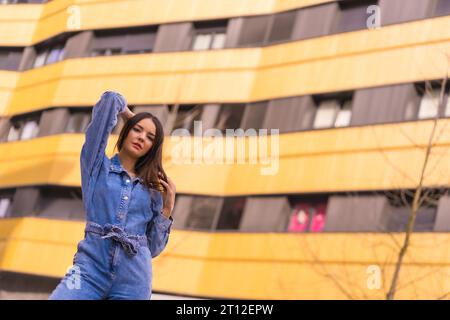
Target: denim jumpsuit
(125,228)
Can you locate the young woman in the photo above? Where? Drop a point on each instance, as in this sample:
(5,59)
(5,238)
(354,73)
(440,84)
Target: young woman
(128,200)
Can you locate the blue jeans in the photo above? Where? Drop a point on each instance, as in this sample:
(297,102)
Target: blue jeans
(104,270)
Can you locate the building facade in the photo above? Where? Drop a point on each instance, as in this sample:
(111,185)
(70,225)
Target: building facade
(354,88)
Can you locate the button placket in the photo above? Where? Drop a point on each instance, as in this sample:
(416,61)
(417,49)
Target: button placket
(124,201)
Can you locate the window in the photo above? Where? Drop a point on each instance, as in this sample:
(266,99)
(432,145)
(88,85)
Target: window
(231,214)
(60,203)
(265,29)
(353,15)
(254,30)
(344,115)
(400,209)
(30,130)
(78,121)
(107,43)
(22,1)
(213,213)
(442,8)
(209,35)
(218,41)
(282,25)
(55,54)
(5,204)
(40,59)
(447,107)
(399,11)
(24,128)
(254,115)
(49,54)
(230,117)
(410,111)
(326,114)
(429,105)
(203,213)
(315,21)
(14,132)
(106,52)
(333,113)
(123,41)
(307,217)
(185,116)
(209,41)
(10,58)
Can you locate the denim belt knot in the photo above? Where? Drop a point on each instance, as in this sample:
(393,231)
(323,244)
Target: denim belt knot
(130,243)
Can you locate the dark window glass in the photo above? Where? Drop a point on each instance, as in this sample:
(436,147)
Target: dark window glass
(231,214)
(315,21)
(186,115)
(140,42)
(400,211)
(230,117)
(10,58)
(203,213)
(60,203)
(78,121)
(443,8)
(282,26)
(123,41)
(254,30)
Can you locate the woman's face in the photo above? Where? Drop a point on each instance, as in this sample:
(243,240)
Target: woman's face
(140,138)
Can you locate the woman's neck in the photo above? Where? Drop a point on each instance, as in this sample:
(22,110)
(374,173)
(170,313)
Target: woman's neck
(127,162)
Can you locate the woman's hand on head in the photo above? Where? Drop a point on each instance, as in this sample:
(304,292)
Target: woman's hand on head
(127,114)
(168,195)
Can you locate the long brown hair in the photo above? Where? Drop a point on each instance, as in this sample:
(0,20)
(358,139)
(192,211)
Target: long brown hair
(147,166)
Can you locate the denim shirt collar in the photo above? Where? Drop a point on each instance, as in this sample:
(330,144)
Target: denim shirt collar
(116,166)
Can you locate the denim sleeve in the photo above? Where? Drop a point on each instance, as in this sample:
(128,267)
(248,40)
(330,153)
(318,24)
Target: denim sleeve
(158,229)
(104,118)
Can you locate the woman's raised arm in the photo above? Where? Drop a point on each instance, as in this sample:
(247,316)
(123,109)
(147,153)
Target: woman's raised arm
(104,118)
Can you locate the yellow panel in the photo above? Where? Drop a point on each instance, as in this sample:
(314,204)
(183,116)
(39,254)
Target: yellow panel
(35,23)
(138,77)
(411,34)
(55,19)
(18,23)
(284,5)
(8,81)
(315,161)
(319,65)
(251,265)
(27,239)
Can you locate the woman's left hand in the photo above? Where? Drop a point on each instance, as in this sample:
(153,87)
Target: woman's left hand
(168,196)
(127,114)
